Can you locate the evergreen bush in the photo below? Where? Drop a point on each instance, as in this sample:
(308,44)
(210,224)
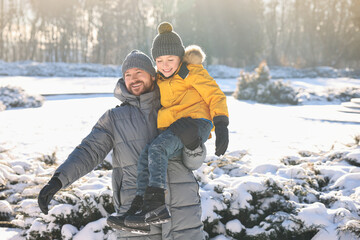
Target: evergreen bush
(14,97)
(272,208)
(84,210)
(256,205)
(259,87)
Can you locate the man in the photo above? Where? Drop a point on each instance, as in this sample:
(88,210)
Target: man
(126,130)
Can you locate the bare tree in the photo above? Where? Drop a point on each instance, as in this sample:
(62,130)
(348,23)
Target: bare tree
(234,32)
(2,16)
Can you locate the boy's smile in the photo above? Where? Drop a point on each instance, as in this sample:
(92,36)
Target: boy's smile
(168,64)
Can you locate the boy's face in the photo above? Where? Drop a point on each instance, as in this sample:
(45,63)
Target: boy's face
(167,64)
(138,81)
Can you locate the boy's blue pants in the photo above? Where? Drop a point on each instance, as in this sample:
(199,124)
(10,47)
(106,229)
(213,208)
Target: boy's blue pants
(153,161)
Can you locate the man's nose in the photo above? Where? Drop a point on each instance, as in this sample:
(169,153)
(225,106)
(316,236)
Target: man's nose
(133,77)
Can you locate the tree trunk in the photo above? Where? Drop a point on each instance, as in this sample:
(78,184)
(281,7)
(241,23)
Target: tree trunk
(2,15)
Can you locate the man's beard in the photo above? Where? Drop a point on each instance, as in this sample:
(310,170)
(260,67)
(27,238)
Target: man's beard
(146,88)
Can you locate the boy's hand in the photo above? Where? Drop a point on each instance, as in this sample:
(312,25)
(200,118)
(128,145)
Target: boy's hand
(47,193)
(222,134)
(188,131)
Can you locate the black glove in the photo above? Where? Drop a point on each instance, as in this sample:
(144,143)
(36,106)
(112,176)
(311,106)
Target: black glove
(47,193)
(188,131)
(135,205)
(222,134)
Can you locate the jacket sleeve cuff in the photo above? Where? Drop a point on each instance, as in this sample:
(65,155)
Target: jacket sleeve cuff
(221,120)
(193,159)
(63,179)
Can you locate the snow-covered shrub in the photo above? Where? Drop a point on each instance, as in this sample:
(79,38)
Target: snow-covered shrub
(79,210)
(353,158)
(13,97)
(6,211)
(259,87)
(310,195)
(292,160)
(84,210)
(357,139)
(105,165)
(48,159)
(343,95)
(262,211)
(60,69)
(302,198)
(352,227)
(252,207)
(329,94)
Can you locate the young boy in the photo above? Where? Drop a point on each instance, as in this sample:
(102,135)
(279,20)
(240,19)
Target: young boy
(189,97)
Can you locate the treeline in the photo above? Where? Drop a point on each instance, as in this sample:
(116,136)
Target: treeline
(238,33)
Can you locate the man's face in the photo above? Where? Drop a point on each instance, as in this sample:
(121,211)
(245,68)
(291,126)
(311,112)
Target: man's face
(138,81)
(167,64)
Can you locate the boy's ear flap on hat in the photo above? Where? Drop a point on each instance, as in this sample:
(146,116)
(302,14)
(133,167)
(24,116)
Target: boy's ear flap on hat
(194,55)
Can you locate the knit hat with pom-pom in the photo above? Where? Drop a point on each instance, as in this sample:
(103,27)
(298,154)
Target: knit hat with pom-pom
(167,42)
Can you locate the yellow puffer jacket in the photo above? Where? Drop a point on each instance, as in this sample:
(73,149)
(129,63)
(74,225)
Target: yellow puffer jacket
(190,92)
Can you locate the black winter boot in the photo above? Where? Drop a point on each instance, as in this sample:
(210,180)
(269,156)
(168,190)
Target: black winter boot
(154,210)
(117,222)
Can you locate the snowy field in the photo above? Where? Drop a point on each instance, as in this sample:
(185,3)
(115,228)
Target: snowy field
(288,169)
(70,85)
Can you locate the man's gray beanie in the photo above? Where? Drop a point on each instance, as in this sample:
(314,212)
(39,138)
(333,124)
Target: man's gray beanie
(137,59)
(167,42)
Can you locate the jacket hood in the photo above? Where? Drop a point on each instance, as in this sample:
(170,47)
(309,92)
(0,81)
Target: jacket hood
(144,100)
(194,55)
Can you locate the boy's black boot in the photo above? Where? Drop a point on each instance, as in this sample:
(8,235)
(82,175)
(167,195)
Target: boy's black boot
(154,210)
(117,222)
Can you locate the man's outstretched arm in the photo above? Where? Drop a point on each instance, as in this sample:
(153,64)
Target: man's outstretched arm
(85,157)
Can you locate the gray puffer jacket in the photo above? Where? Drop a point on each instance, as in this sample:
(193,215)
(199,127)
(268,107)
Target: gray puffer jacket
(126,130)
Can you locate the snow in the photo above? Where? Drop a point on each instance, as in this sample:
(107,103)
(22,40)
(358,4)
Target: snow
(354,155)
(10,233)
(315,214)
(70,85)
(349,181)
(92,231)
(5,207)
(65,70)
(234,226)
(220,237)
(68,231)
(61,85)
(262,167)
(61,209)
(38,226)
(209,205)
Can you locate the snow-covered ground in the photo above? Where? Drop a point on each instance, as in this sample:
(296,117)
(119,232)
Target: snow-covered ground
(59,69)
(287,168)
(69,85)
